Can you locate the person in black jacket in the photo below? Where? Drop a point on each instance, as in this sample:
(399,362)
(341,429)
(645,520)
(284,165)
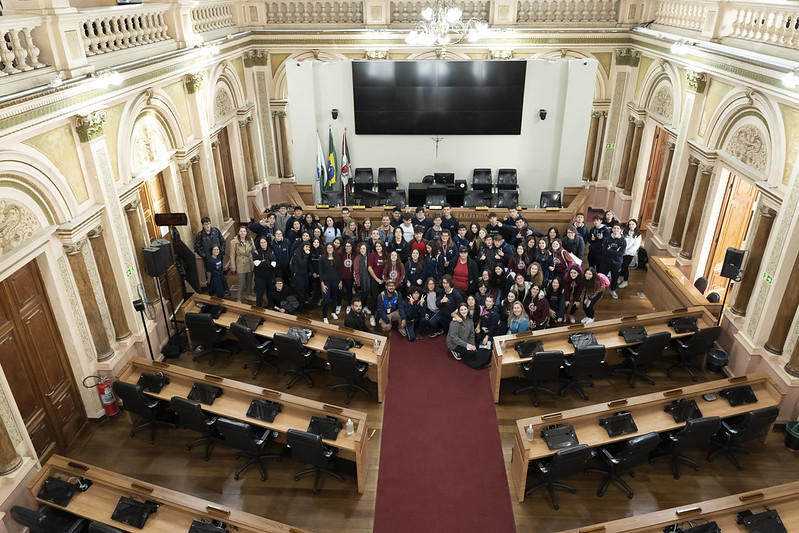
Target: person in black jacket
(489,324)
(613,255)
(330,279)
(280,299)
(301,270)
(281,248)
(596,235)
(356,318)
(412,312)
(468,284)
(264,260)
(448,300)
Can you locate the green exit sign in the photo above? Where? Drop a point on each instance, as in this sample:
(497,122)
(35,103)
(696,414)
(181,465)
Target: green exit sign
(767,278)
(129,272)
(610,145)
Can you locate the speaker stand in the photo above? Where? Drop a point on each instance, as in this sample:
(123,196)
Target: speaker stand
(723,301)
(163,307)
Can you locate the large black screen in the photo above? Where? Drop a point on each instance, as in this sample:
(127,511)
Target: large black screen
(438,97)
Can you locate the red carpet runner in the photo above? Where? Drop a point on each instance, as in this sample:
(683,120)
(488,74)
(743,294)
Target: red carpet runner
(441,464)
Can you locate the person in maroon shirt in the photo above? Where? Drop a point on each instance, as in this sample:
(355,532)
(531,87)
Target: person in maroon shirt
(376,265)
(464,271)
(518,261)
(572,291)
(537,308)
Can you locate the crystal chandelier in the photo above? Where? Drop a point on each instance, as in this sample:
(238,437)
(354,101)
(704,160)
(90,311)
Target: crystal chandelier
(441,25)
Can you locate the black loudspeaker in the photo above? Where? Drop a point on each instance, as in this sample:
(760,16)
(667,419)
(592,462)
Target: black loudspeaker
(733,260)
(158,257)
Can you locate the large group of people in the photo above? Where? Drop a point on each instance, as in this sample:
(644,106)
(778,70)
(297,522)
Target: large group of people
(427,274)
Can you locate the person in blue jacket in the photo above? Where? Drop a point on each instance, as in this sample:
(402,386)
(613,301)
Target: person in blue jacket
(282,256)
(613,248)
(412,313)
(388,307)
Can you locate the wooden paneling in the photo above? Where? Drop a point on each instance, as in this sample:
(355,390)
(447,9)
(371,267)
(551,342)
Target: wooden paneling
(653,175)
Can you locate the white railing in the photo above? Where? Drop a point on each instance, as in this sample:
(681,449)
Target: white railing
(685,15)
(108,29)
(18,52)
(588,11)
(771,24)
(314,12)
(211,16)
(408,12)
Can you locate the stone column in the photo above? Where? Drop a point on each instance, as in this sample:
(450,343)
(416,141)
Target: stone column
(285,146)
(590,149)
(634,153)
(600,146)
(107,280)
(245,148)
(220,179)
(253,151)
(187,180)
(692,226)
(9,459)
(199,186)
(664,178)
(785,313)
(80,271)
(792,366)
(757,246)
(625,157)
(685,202)
(135,216)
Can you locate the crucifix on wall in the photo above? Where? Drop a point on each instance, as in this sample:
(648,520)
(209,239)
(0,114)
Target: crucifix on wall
(437,140)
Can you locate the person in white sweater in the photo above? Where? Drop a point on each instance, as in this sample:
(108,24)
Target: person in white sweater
(633,239)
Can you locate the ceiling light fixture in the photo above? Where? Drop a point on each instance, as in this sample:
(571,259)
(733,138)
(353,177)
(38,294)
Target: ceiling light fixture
(443,24)
(681,47)
(791,80)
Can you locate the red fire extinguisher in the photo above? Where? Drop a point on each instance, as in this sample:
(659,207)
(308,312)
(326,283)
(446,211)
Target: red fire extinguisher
(106,394)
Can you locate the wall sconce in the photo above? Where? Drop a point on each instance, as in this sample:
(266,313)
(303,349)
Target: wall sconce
(334,113)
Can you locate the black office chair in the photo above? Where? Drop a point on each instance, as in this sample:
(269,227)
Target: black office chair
(396,197)
(136,402)
(621,458)
(713,297)
(308,448)
(260,348)
(697,344)
(386,179)
(585,363)
(506,179)
(701,284)
(544,366)
(436,195)
(191,416)
(343,364)
(249,441)
(429,179)
(744,428)
(507,198)
(47,520)
(363,180)
(444,178)
(696,434)
(332,198)
(564,463)
(370,198)
(206,333)
(291,349)
(481,180)
(638,358)
(99,527)
(474,199)
(550,199)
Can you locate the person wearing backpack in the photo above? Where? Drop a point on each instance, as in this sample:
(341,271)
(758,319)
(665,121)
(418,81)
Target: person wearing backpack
(594,286)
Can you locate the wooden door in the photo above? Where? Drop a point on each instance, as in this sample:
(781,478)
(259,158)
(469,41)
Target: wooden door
(653,175)
(227,172)
(35,363)
(736,210)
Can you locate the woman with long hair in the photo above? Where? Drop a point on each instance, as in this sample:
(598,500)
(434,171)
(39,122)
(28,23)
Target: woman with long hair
(351,231)
(537,307)
(243,248)
(518,261)
(400,245)
(543,256)
(347,271)
(366,230)
(394,270)
(461,340)
(518,322)
(507,305)
(215,274)
(264,263)
(375,266)
(309,222)
(572,291)
(317,249)
(432,317)
(632,238)
(552,234)
(554,295)
(593,290)
(330,229)
(361,276)
(330,280)
(535,275)
(301,273)
(561,258)
(414,270)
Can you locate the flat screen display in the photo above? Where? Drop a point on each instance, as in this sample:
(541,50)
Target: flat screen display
(438,97)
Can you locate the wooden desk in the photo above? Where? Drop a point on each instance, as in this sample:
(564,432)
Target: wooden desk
(175,515)
(782,498)
(236,399)
(574,199)
(647,411)
(275,322)
(505,361)
(668,288)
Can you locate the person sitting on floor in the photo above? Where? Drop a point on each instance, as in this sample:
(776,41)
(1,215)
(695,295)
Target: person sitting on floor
(388,307)
(461,341)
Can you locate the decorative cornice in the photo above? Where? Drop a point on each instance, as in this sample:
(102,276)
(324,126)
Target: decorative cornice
(597,114)
(765,211)
(693,162)
(639,123)
(256,58)
(194,82)
(245,121)
(697,81)
(627,57)
(75,248)
(90,127)
(195,160)
(671,145)
(184,166)
(706,169)
(375,54)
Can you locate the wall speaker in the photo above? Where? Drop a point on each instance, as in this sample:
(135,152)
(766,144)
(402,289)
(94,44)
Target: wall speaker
(157,257)
(733,260)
